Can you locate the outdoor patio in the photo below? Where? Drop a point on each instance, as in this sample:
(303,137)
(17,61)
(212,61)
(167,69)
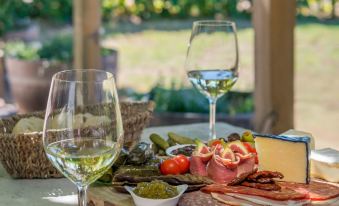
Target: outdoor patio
(285,70)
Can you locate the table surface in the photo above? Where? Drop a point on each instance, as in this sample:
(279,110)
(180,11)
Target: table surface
(58,192)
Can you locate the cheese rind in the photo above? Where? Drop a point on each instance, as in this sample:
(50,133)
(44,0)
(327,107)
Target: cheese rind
(297,133)
(288,155)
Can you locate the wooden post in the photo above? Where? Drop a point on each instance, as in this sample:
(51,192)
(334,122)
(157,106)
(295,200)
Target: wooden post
(333,13)
(2,70)
(274,22)
(87,19)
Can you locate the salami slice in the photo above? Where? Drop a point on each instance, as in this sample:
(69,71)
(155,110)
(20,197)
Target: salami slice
(282,195)
(316,190)
(268,187)
(198,199)
(232,201)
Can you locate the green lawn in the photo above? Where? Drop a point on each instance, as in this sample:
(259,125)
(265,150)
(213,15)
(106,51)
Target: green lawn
(156,50)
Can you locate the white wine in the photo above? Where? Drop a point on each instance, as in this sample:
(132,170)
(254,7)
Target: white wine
(82,160)
(213,83)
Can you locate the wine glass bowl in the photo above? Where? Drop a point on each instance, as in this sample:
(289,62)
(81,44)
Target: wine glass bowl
(212,61)
(83,143)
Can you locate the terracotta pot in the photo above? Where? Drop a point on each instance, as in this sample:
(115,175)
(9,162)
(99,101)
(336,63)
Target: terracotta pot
(29,82)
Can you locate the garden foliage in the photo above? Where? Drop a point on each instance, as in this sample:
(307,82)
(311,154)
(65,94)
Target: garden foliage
(14,12)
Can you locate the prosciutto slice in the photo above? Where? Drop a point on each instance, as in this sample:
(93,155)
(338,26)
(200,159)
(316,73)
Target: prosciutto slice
(199,160)
(198,166)
(220,173)
(223,163)
(223,169)
(283,195)
(265,201)
(316,190)
(229,200)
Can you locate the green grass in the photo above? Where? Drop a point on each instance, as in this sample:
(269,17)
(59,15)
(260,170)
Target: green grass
(156,50)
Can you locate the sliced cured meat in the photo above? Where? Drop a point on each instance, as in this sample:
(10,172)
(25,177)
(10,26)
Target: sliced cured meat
(263,180)
(265,174)
(247,165)
(199,159)
(198,199)
(243,157)
(241,177)
(270,202)
(220,173)
(229,200)
(226,154)
(329,202)
(237,147)
(203,151)
(316,190)
(268,187)
(282,195)
(197,166)
(224,161)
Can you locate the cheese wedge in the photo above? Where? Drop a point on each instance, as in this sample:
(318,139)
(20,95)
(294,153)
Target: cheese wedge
(325,164)
(288,155)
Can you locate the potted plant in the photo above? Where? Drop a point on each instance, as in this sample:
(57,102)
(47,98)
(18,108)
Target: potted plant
(30,67)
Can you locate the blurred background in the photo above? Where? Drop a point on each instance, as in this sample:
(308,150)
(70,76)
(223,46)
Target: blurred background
(144,44)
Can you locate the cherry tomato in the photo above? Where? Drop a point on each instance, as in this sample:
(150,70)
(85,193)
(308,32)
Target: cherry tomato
(249,147)
(215,142)
(183,163)
(251,150)
(169,167)
(256,158)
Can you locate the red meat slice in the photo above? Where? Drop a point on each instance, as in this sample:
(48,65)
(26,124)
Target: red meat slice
(228,200)
(198,166)
(222,171)
(316,190)
(283,195)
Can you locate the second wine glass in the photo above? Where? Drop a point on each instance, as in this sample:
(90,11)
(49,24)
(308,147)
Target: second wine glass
(212,61)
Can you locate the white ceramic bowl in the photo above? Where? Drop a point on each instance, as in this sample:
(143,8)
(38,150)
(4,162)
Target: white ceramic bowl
(140,201)
(170,149)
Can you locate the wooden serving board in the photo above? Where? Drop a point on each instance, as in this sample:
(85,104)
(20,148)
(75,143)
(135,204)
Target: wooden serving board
(108,196)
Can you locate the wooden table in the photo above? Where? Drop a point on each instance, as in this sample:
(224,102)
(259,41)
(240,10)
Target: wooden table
(61,192)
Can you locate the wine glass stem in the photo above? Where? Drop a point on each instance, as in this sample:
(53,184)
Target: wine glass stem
(212,118)
(82,195)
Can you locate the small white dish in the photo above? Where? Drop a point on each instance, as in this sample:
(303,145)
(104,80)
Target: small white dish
(140,201)
(171,149)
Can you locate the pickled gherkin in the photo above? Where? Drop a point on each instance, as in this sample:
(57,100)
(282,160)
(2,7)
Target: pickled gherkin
(180,139)
(156,189)
(159,141)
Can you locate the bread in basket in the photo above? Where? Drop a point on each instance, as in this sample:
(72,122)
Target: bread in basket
(23,155)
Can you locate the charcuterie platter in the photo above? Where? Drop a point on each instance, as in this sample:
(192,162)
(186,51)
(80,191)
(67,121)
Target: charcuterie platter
(239,169)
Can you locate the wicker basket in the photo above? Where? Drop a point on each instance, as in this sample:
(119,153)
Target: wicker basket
(23,155)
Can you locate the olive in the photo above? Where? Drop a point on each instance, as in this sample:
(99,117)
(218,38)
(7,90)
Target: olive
(233,137)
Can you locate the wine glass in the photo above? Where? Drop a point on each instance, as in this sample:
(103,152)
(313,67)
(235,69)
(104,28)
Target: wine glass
(83,130)
(212,61)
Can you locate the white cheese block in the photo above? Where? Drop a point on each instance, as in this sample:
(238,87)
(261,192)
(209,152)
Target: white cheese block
(297,133)
(325,164)
(288,155)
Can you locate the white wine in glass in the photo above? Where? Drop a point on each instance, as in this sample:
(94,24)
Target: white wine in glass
(212,61)
(83,131)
